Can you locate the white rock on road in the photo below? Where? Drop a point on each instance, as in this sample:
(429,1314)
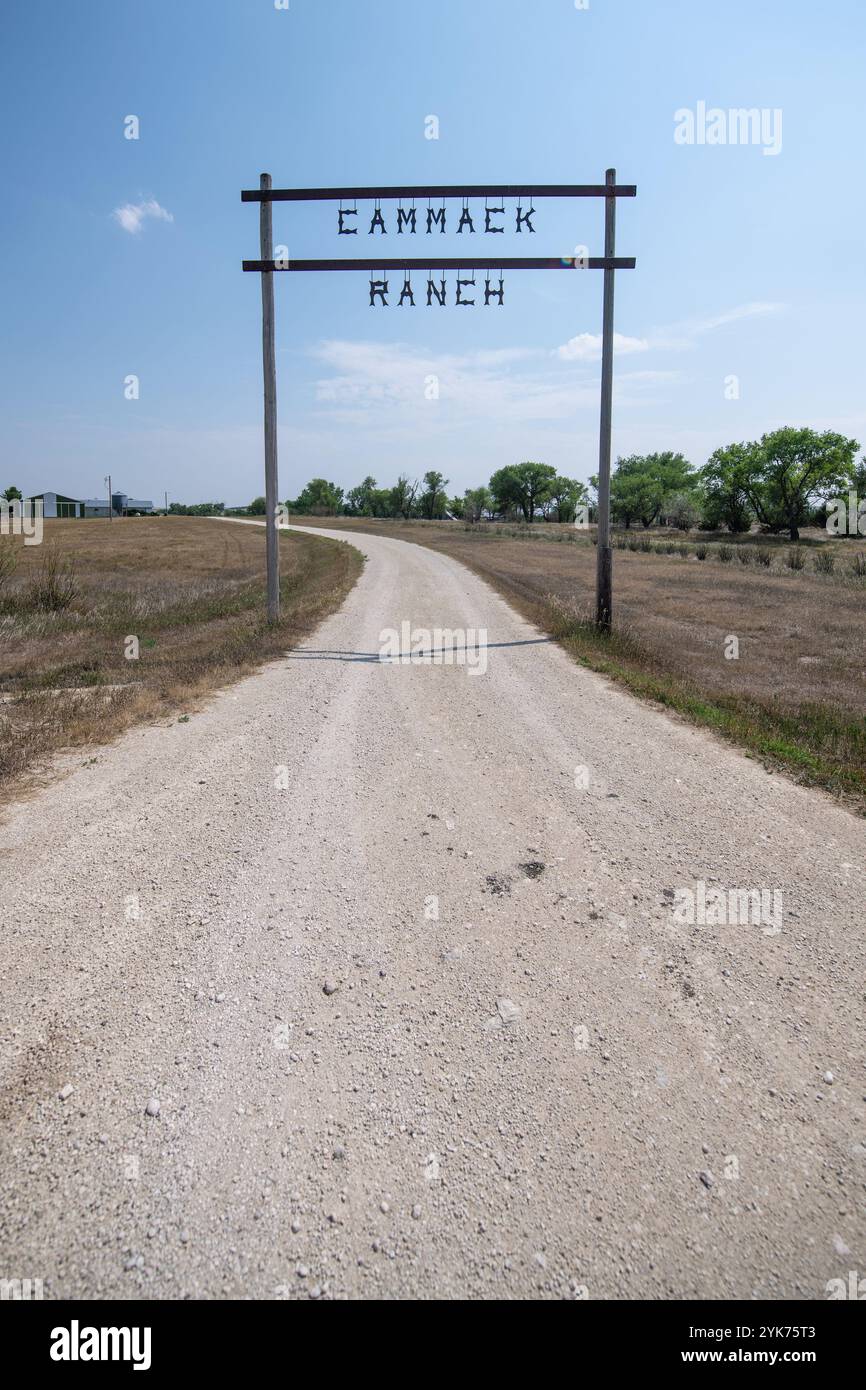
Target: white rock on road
(542,1170)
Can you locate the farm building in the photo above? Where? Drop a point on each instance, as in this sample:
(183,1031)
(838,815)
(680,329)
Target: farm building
(54,504)
(121,505)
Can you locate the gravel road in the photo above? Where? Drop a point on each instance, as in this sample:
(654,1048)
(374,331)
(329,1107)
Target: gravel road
(394,953)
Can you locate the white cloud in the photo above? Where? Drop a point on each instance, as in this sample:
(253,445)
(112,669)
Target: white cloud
(757,309)
(132,215)
(677,337)
(586,347)
(389,380)
(382,388)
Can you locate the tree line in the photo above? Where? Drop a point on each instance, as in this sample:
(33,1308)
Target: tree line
(527,489)
(783,481)
(786,479)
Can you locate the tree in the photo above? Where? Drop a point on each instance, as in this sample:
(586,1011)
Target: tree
(258,506)
(476,502)
(197,509)
(785,473)
(359,500)
(505,489)
(640,483)
(319,498)
(567,494)
(456,506)
(523,485)
(402,497)
(13,494)
(380,502)
(681,510)
(434,499)
(725,501)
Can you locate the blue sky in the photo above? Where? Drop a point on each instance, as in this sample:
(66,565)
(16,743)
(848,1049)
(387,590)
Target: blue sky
(749,264)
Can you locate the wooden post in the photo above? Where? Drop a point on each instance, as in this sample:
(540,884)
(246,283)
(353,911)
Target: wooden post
(604,555)
(269,368)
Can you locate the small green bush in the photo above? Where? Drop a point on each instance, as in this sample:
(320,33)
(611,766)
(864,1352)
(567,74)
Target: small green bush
(763,556)
(702,551)
(744,555)
(858,565)
(726,554)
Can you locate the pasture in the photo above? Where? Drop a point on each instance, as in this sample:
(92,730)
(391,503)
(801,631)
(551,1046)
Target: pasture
(190,591)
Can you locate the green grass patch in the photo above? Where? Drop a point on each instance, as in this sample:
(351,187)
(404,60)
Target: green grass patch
(813,744)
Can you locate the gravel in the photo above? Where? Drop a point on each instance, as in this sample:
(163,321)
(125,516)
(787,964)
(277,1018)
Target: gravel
(515,1142)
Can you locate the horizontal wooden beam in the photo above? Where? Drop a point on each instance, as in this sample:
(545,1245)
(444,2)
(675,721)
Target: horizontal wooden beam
(474,263)
(500,190)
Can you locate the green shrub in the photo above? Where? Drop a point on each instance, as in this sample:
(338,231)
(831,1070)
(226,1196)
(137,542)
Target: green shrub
(763,556)
(795,559)
(702,551)
(858,565)
(726,554)
(744,555)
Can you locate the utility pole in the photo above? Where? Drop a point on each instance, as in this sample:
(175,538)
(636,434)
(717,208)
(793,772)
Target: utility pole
(604,554)
(166,503)
(269,370)
(108,480)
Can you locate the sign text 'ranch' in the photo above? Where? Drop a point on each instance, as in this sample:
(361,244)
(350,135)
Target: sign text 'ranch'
(494,292)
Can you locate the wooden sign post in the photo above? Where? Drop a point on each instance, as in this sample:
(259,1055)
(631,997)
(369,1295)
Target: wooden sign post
(269,368)
(409,223)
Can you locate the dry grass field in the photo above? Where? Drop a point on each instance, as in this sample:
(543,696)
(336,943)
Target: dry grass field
(191,590)
(794,696)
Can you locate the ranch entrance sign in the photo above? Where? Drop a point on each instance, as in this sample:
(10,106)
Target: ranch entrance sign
(360,214)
